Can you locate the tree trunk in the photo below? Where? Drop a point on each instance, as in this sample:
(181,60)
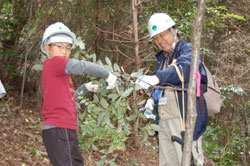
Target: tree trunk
(26,54)
(136,41)
(191,112)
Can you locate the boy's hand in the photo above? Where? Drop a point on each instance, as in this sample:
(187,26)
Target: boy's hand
(111,80)
(91,87)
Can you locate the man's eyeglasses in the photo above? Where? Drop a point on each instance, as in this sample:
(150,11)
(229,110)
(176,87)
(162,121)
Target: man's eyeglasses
(68,48)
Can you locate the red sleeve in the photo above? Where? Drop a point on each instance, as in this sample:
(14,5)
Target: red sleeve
(57,65)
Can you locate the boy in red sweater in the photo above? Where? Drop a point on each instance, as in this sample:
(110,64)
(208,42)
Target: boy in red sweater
(59,105)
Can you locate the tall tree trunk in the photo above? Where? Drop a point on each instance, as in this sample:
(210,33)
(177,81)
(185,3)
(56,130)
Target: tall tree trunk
(26,54)
(191,114)
(136,41)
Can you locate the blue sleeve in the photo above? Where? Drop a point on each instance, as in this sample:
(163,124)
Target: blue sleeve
(156,94)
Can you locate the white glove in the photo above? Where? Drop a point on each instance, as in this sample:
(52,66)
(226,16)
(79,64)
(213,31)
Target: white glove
(2,90)
(111,80)
(145,81)
(91,87)
(150,104)
(149,115)
(149,107)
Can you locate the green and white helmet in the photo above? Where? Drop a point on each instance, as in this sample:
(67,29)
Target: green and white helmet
(158,23)
(57,32)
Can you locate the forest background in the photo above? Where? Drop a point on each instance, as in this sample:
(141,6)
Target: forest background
(114,34)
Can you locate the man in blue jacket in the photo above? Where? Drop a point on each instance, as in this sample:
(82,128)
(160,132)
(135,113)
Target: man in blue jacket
(175,56)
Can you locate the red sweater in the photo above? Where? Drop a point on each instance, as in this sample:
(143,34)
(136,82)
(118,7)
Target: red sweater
(59,104)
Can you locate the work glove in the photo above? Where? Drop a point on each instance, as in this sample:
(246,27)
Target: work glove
(91,87)
(2,90)
(150,104)
(149,107)
(111,80)
(145,81)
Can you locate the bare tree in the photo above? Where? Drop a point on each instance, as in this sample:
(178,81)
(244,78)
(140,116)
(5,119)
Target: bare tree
(191,114)
(136,41)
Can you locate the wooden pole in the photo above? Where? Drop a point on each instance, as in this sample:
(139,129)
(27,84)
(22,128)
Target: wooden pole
(191,110)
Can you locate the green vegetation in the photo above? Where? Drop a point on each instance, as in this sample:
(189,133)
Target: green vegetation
(110,119)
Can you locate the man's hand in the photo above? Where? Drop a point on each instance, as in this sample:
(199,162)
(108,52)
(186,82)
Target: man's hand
(145,81)
(111,80)
(91,87)
(149,107)
(150,104)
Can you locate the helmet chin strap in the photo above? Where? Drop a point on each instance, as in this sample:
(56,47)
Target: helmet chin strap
(171,51)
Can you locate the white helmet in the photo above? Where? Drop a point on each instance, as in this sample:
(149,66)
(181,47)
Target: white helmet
(57,32)
(158,23)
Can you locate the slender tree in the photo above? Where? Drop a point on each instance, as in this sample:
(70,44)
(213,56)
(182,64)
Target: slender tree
(136,41)
(191,114)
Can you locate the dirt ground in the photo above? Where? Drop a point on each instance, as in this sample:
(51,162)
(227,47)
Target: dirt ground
(21,142)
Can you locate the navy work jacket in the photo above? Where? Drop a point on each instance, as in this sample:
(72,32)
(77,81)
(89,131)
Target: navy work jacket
(183,55)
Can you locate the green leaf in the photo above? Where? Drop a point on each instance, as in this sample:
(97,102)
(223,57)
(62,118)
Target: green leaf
(141,102)
(112,163)
(32,150)
(104,103)
(127,92)
(97,109)
(96,100)
(142,116)
(131,117)
(99,62)
(38,67)
(149,130)
(100,118)
(35,126)
(123,69)
(145,137)
(78,106)
(94,58)
(77,54)
(134,74)
(94,147)
(107,120)
(89,56)
(117,68)
(118,102)
(81,115)
(108,62)
(38,152)
(136,124)
(137,74)
(155,127)
(101,163)
(113,96)
(80,43)
(128,107)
